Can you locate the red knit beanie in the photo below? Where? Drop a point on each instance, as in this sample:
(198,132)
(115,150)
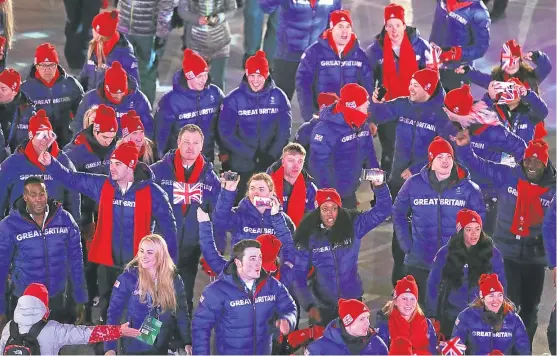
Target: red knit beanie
(131,122)
(394,11)
(353,96)
(465,217)
(127,154)
(437,146)
(539,149)
(106,23)
(270,247)
(339,16)
(350,309)
(37,291)
(489,283)
(116,79)
(105,119)
(327,194)
(11,78)
(46,53)
(326,99)
(428,79)
(39,122)
(406,285)
(459,100)
(258,64)
(193,64)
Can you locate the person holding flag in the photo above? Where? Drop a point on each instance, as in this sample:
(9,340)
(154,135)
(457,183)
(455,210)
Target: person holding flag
(190,182)
(491,323)
(129,202)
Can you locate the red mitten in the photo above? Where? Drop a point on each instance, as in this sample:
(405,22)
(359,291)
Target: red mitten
(206,268)
(298,338)
(105,333)
(453,54)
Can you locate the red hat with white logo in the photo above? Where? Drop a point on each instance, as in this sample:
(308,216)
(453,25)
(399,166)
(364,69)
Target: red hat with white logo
(327,194)
(350,309)
(131,122)
(105,119)
(394,11)
(258,64)
(11,78)
(270,247)
(428,79)
(539,149)
(338,16)
(36,294)
(39,122)
(46,53)
(106,23)
(489,283)
(126,153)
(193,64)
(116,79)
(353,96)
(459,100)
(406,285)
(465,217)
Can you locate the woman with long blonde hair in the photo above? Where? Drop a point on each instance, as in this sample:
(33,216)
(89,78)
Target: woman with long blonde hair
(6,30)
(134,131)
(152,292)
(108,45)
(403,317)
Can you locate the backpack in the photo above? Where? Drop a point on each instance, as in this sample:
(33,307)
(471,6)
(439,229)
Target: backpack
(26,344)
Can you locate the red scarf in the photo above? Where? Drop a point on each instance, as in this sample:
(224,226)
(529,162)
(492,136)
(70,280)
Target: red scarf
(51,83)
(328,34)
(82,140)
(101,247)
(397,82)
(453,5)
(180,174)
(351,116)
(528,211)
(415,331)
(109,45)
(32,156)
(297,200)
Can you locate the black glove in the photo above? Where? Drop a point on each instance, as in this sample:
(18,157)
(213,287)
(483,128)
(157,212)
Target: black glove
(466,68)
(536,55)
(159,43)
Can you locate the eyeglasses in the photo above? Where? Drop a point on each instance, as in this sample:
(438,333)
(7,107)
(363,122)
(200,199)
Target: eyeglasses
(47,66)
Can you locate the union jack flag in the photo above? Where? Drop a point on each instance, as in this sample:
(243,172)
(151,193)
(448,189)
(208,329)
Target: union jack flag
(507,59)
(453,347)
(433,58)
(510,93)
(185,193)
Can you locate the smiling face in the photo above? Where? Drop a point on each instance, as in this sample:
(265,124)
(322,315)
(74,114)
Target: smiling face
(406,304)
(198,82)
(533,168)
(472,233)
(512,69)
(360,326)
(249,267)
(256,81)
(442,164)
(395,30)
(417,93)
(342,32)
(147,255)
(494,301)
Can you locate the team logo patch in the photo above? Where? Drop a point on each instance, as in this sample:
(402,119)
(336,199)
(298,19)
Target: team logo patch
(116,284)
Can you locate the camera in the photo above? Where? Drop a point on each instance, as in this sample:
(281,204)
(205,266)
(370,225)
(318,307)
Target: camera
(230,176)
(381,93)
(260,202)
(375,176)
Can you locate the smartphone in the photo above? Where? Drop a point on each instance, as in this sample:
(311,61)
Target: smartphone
(381,93)
(230,176)
(260,202)
(375,175)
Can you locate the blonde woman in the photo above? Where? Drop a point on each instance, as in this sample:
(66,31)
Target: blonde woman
(151,290)
(134,131)
(6,30)
(107,46)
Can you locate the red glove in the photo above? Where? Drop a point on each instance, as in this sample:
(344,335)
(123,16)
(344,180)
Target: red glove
(206,268)
(305,336)
(105,333)
(453,54)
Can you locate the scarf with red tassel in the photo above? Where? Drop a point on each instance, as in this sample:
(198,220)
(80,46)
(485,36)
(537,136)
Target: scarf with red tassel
(297,200)
(180,173)
(101,247)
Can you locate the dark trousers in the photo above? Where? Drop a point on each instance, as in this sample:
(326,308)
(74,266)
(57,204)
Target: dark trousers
(187,267)
(284,74)
(551,330)
(450,80)
(79,15)
(490,216)
(106,276)
(387,136)
(524,289)
(420,275)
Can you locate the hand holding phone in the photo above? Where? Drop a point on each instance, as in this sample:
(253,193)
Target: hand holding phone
(376,176)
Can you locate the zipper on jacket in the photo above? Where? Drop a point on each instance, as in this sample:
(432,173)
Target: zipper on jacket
(412,144)
(336,270)
(44,245)
(439,237)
